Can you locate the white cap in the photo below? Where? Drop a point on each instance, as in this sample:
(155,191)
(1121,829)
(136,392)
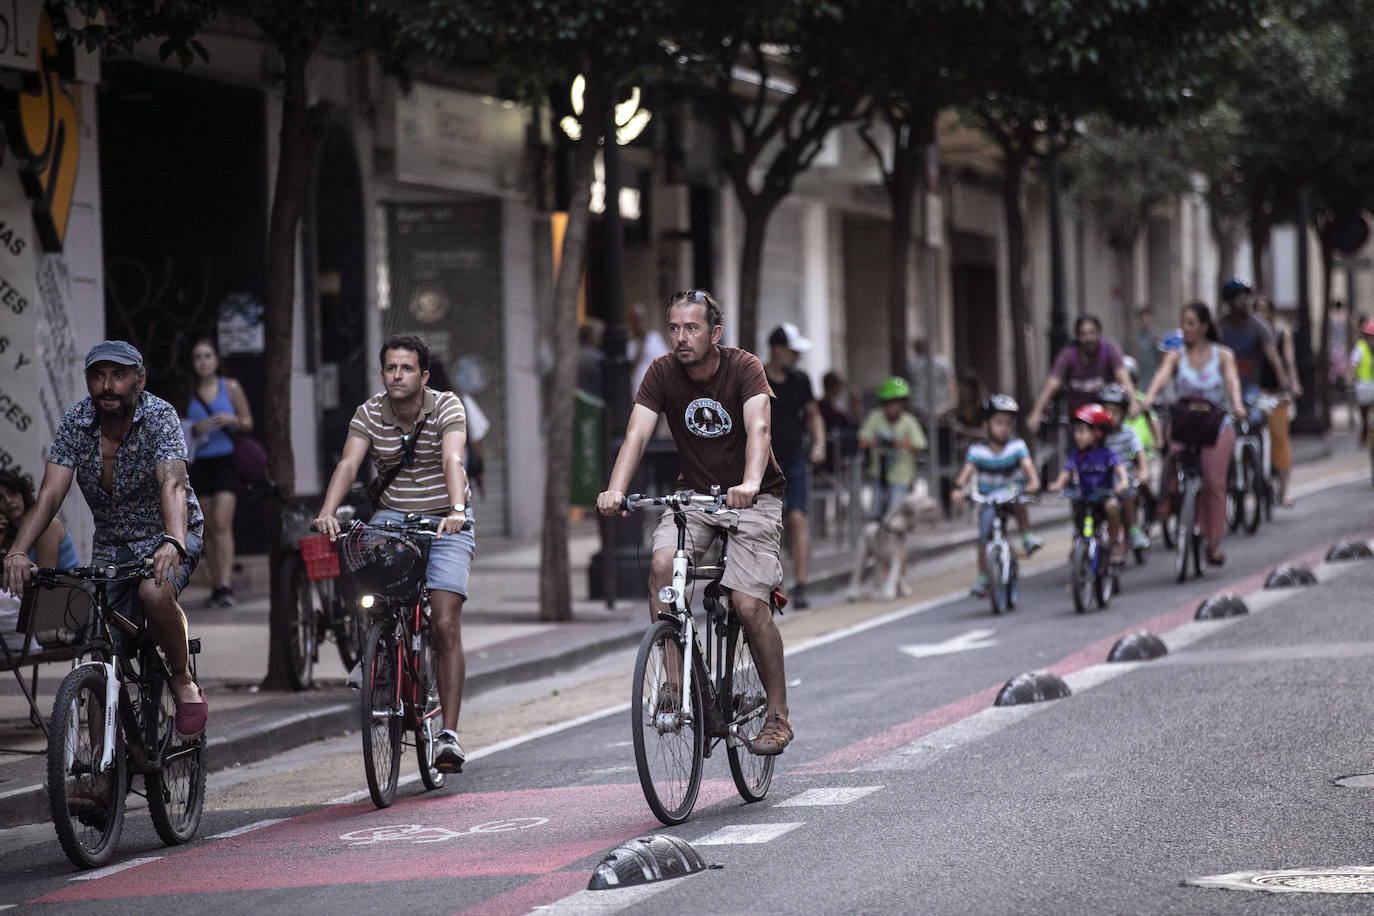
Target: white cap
(789,335)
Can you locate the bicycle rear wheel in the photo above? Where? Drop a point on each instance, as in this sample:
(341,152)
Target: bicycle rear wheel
(348,623)
(176,792)
(667,728)
(753,774)
(997,591)
(427,711)
(1081,575)
(297,642)
(87,806)
(1235,496)
(381,713)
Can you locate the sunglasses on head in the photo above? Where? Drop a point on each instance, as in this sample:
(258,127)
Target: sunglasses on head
(689,295)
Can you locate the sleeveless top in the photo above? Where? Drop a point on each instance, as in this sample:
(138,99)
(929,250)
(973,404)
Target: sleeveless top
(66,552)
(219,443)
(1207,382)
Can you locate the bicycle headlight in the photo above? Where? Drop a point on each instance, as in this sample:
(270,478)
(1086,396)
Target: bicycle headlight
(668,595)
(368,600)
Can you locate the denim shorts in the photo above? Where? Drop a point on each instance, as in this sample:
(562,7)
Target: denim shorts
(986,516)
(450,557)
(798,493)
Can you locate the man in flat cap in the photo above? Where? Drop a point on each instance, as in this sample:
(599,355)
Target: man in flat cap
(125,449)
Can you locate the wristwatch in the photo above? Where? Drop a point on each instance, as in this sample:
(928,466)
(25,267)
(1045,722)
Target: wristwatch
(457,507)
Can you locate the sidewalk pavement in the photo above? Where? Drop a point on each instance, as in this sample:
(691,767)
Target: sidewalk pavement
(504,641)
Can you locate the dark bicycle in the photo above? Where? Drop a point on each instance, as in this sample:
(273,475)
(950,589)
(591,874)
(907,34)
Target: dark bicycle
(1092,575)
(684,700)
(400,692)
(114,717)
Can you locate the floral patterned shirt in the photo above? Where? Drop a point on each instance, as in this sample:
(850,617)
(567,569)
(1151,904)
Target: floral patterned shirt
(130,514)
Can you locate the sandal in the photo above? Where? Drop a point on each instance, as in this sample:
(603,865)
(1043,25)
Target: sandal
(775,735)
(669,697)
(1216,559)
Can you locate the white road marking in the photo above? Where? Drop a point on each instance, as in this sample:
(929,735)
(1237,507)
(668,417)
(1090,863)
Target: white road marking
(246,828)
(24,791)
(830,796)
(113,869)
(610,900)
(740,834)
(925,751)
(973,639)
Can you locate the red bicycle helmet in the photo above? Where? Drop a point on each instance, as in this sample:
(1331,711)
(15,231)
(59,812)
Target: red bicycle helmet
(1095,415)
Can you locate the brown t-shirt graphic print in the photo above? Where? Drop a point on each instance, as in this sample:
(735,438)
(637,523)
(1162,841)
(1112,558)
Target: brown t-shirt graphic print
(707,418)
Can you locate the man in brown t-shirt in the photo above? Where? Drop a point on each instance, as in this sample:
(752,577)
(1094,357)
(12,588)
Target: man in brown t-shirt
(718,404)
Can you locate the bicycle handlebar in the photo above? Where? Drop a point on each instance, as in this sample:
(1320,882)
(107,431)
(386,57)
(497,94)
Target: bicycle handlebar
(413,523)
(1002,497)
(680,501)
(110,572)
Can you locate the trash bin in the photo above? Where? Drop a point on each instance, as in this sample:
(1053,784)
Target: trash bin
(588,477)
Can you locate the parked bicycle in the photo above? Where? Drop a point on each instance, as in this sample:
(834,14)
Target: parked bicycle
(400,690)
(318,609)
(685,701)
(114,717)
(1092,575)
(1002,563)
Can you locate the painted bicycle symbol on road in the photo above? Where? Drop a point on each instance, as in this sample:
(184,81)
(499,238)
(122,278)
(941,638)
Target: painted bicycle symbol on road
(418,833)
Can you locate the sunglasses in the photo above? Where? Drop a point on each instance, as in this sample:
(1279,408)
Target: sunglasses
(407,450)
(689,295)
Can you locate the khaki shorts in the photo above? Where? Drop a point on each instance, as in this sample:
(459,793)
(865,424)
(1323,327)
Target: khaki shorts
(754,564)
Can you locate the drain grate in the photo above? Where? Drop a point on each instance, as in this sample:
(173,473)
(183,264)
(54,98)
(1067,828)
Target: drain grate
(1350,879)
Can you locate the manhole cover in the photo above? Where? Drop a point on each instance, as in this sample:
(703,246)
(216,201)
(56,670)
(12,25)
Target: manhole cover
(1350,879)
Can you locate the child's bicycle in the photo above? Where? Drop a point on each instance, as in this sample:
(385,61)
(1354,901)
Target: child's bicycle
(684,701)
(1002,564)
(115,716)
(1092,575)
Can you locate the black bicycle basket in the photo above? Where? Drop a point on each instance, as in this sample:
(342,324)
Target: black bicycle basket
(387,563)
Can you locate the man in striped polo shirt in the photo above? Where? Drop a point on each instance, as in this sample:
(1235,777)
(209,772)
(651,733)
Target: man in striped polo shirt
(430,481)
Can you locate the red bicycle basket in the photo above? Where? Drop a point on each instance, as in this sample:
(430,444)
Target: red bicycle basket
(321,557)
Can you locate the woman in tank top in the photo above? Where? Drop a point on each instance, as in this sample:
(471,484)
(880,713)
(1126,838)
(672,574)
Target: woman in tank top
(218,411)
(1207,369)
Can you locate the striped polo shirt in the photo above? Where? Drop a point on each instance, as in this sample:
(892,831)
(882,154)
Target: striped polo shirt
(420,487)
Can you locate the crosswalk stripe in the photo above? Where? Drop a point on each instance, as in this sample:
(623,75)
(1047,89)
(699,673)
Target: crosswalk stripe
(827,796)
(113,869)
(739,834)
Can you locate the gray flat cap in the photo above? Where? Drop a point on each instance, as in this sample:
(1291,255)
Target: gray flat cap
(119,352)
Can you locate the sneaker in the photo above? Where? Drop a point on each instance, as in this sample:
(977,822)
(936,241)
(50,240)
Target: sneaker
(1031,542)
(980,587)
(226,596)
(355,677)
(215,594)
(1139,539)
(448,753)
(799,599)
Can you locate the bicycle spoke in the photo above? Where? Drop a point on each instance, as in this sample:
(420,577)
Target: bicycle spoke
(667,728)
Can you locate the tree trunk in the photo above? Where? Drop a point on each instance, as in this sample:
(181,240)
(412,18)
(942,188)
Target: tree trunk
(1013,175)
(756,214)
(1125,276)
(279,320)
(900,190)
(555,591)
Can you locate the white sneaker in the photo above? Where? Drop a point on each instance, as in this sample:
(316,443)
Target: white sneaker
(355,677)
(448,753)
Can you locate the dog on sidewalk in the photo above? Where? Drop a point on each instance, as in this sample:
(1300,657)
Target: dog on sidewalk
(885,545)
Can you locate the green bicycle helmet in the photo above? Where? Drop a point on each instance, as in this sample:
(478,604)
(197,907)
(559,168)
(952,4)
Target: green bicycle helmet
(894,389)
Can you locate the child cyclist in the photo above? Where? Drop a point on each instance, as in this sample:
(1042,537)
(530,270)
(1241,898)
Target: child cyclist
(1095,470)
(1130,453)
(1001,461)
(893,438)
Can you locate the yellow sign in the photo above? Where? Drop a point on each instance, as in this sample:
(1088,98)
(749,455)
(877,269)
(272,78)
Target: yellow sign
(43,130)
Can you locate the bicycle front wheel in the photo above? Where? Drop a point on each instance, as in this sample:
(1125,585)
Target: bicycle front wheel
(997,592)
(87,805)
(297,642)
(667,728)
(753,774)
(1252,498)
(1104,577)
(176,792)
(1081,575)
(381,713)
(427,722)
(1188,546)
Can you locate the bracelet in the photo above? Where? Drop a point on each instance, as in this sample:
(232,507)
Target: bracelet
(15,553)
(181,548)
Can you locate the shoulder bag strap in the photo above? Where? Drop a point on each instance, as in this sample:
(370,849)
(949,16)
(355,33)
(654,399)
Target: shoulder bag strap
(387,478)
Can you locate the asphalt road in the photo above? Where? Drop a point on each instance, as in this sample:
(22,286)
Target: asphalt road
(905,790)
